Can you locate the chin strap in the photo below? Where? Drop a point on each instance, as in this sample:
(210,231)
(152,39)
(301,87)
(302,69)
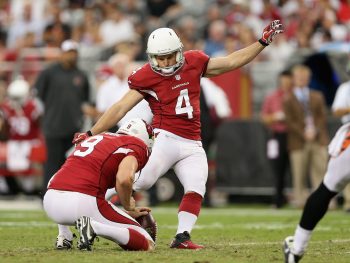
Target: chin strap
(167,70)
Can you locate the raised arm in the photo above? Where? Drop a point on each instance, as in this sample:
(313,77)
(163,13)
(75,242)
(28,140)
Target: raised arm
(112,116)
(239,58)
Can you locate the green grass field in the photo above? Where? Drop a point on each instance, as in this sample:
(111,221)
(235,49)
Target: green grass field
(235,234)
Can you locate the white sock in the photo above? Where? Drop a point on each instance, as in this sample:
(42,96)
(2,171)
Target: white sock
(65,231)
(117,234)
(301,240)
(186,222)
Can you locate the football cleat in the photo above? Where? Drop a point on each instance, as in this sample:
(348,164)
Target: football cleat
(183,241)
(289,257)
(63,243)
(86,232)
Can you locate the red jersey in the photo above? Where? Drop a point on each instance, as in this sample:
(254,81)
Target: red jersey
(174,100)
(91,169)
(23,120)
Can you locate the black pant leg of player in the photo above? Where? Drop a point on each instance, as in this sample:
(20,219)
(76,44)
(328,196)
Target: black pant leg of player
(316,207)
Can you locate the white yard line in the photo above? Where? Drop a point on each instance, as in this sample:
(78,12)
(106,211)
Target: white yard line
(280,242)
(26,224)
(249,226)
(35,204)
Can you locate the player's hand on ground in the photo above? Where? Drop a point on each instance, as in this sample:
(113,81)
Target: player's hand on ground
(79,137)
(139,211)
(270,32)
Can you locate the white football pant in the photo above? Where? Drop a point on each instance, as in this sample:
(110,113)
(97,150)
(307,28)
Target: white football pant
(338,172)
(186,157)
(65,207)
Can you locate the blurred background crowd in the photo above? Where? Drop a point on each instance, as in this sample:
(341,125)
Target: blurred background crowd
(112,37)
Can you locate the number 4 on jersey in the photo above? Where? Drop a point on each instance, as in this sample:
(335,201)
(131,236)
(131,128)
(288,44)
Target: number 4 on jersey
(188,108)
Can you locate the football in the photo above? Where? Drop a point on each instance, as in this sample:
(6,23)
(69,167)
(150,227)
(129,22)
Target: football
(149,224)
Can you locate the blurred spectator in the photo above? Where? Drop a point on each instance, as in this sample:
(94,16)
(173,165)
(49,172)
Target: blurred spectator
(87,33)
(18,28)
(245,34)
(25,147)
(4,15)
(37,8)
(302,50)
(63,88)
(269,12)
(281,51)
(212,14)
(116,22)
(131,47)
(158,8)
(215,108)
(238,12)
(137,13)
(73,13)
(305,112)
(274,118)
(188,29)
(343,13)
(116,86)
(162,13)
(103,72)
(341,109)
(329,30)
(216,38)
(56,30)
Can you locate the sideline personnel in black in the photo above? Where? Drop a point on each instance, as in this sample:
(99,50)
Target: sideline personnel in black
(63,88)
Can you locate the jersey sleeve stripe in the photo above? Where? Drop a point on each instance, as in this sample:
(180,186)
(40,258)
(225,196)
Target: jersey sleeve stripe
(150,92)
(123,150)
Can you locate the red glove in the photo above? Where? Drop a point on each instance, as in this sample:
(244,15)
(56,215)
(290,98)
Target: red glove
(270,32)
(81,136)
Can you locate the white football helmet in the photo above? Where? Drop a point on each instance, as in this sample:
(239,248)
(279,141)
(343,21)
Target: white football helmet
(164,41)
(18,90)
(140,129)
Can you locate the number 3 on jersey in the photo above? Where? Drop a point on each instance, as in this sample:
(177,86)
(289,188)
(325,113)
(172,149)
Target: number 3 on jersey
(187,108)
(89,144)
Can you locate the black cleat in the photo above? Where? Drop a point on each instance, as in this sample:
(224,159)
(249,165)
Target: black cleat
(86,232)
(289,257)
(64,243)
